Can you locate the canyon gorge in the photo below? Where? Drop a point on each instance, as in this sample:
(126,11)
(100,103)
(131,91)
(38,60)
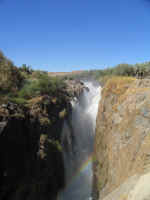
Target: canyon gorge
(92,144)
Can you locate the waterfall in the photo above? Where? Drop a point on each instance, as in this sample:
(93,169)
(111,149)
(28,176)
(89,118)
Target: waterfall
(77,140)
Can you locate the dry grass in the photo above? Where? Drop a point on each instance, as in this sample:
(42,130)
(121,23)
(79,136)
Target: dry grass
(35,100)
(65,73)
(117,85)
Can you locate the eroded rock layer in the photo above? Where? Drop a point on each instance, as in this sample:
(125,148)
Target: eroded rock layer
(122,142)
(31,156)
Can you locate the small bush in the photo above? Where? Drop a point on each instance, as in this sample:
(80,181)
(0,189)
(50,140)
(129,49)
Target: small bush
(19,100)
(56,144)
(11,79)
(42,86)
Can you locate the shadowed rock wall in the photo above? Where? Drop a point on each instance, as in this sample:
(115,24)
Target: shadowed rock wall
(31,162)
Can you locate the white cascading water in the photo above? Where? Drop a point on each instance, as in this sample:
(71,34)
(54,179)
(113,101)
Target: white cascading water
(78,138)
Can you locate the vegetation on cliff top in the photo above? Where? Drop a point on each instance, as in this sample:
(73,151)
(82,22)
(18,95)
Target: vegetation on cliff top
(117,85)
(22,84)
(123,69)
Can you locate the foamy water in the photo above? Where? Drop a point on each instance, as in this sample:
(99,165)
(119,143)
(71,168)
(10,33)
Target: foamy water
(79,165)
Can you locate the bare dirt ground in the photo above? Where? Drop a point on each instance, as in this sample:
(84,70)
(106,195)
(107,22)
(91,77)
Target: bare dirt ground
(64,73)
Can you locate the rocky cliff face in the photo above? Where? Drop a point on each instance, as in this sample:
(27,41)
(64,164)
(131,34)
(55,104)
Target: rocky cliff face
(31,156)
(122,142)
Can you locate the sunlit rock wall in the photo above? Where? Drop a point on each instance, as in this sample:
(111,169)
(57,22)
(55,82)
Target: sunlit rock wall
(122,142)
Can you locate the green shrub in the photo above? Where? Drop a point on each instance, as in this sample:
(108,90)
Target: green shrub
(18,100)
(56,144)
(21,84)
(42,86)
(10,77)
(38,74)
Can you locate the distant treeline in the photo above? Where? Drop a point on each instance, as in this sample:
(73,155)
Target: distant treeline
(119,70)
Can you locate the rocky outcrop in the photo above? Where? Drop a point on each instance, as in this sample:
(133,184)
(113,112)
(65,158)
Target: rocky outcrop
(122,143)
(75,88)
(31,166)
(31,155)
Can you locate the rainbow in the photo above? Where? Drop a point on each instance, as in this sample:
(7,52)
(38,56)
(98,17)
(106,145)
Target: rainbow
(83,167)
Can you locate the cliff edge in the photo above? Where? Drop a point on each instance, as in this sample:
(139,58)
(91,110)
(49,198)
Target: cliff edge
(31,152)
(122,143)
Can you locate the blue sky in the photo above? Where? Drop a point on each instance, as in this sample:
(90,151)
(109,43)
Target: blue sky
(66,35)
